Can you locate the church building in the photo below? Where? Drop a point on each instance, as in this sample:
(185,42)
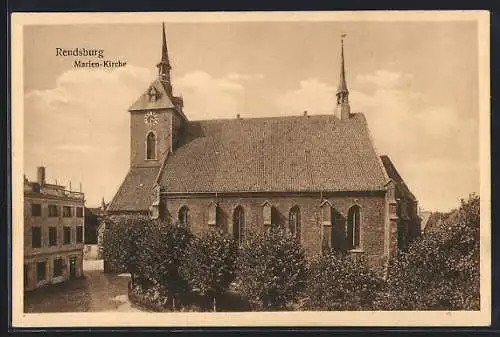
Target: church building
(317,176)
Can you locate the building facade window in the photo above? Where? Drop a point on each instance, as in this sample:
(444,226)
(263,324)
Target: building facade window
(52,236)
(41,270)
(353,228)
(183,215)
(267,214)
(36,237)
(326,222)
(151,146)
(213,214)
(270,215)
(79,212)
(239,224)
(67,235)
(58,267)
(67,211)
(294,225)
(53,210)
(36,209)
(79,234)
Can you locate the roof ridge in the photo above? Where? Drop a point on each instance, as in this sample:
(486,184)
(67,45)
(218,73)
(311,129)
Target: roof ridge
(353,115)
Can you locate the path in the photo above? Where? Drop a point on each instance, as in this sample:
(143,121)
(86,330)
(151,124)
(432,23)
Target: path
(97,291)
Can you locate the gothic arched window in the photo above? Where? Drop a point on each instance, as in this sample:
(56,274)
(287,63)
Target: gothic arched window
(353,232)
(239,224)
(183,215)
(151,146)
(294,222)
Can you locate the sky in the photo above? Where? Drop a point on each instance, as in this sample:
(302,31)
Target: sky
(416,83)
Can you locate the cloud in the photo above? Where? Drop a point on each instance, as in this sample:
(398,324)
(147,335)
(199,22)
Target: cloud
(432,146)
(245,77)
(80,128)
(385,79)
(74,147)
(312,95)
(208,97)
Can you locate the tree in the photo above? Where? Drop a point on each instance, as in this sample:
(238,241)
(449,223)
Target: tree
(119,241)
(441,270)
(339,281)
(209,264)
(271,269)
(159,254)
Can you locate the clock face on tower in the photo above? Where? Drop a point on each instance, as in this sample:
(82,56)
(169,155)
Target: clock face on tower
(151,119)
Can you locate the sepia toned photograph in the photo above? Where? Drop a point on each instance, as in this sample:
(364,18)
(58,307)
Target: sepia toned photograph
(236,169)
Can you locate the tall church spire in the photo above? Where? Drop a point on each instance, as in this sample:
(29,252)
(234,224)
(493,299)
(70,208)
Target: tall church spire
(164,65)
(343,107)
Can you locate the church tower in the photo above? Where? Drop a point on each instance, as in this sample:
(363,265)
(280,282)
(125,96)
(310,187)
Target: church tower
(156,117)
(343,110)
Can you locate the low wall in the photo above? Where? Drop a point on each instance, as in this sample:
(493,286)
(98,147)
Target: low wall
(141,302)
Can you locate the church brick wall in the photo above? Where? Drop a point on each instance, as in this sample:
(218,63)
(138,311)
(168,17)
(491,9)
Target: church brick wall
(372,216)
(176,129)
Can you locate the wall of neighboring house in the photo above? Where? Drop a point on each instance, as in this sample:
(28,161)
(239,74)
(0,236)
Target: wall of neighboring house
(100,240)
(50,254)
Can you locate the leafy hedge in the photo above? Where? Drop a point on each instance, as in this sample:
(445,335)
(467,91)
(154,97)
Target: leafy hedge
(209,264)
(119,241)
(271,270)
(160,250)
(338,281)
(441,270)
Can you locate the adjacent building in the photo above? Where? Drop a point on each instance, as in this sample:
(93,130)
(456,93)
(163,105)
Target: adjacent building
(93,219)
(53,232)
(317,176)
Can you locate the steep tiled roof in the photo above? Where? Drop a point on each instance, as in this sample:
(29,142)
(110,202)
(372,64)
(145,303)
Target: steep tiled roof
(424,216)
(396,177)
(283,154)
(136,191)
(162,99)
(162,102)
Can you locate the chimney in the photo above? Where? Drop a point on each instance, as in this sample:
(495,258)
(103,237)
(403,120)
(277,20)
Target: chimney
(41,175)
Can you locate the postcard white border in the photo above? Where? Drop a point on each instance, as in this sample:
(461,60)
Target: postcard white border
(373,318)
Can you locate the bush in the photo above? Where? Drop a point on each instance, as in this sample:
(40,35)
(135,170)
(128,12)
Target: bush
(118,246)
(339,281)
(160,250)
(209,264)
(271,270)
(440,271)
(147,298)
